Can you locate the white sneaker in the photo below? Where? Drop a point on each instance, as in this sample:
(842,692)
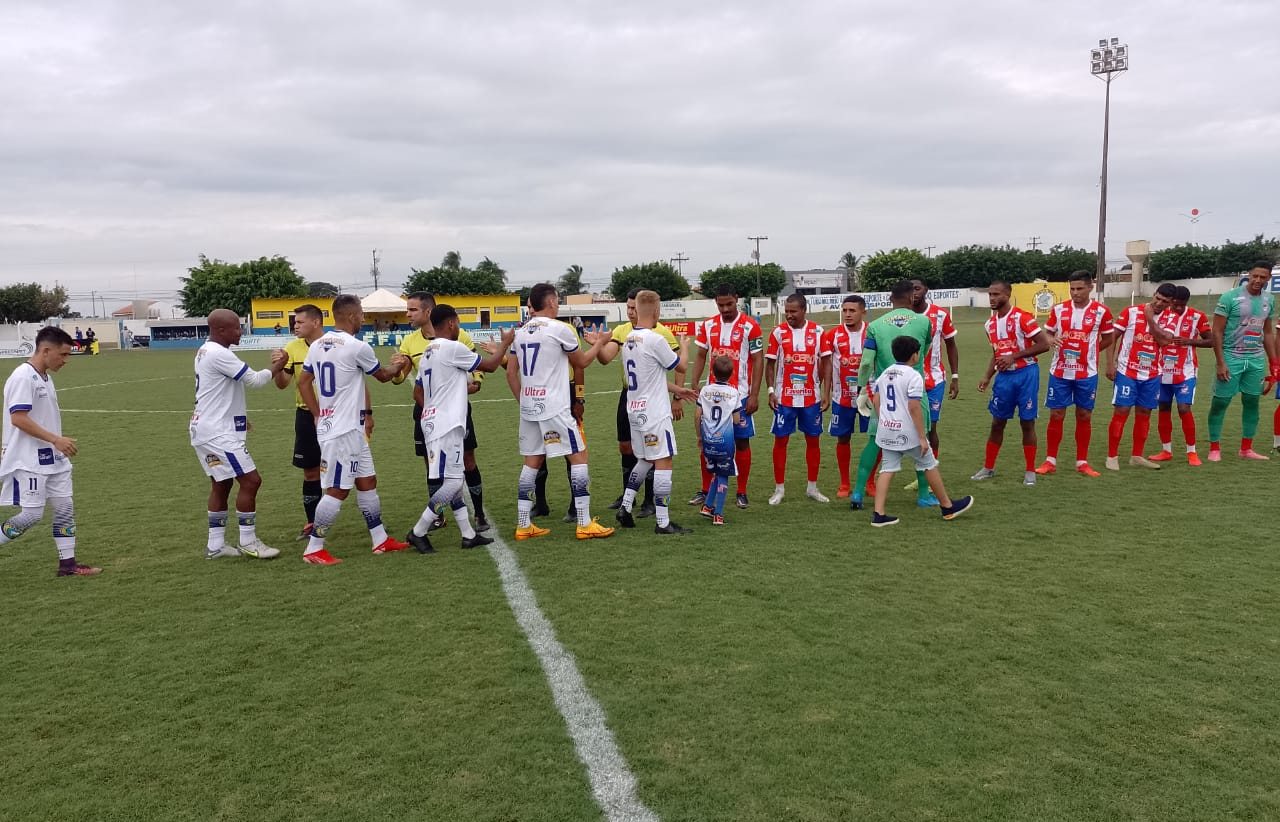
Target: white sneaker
(1143,462)
(224,551)
(259,550)
(983,474)
(1113,463)
(816,495)
(776,497)
(1029,478)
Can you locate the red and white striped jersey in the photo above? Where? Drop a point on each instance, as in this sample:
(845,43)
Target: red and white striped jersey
(736,339)
(1138,355)
(1079,331)
(796,352)
(844,346)
(943,329)
(1178,363)
(1011,333)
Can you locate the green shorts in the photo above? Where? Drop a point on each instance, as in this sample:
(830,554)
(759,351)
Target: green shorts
(1247,374)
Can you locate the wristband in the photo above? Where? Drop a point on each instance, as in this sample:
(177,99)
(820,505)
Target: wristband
(579,391)
(955,376)
(771,389)
(368,412)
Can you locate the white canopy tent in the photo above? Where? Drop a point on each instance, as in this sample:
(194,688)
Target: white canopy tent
(382,301)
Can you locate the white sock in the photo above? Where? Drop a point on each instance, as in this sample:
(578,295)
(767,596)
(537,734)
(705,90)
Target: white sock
(1166,447)
(248,526)
(326,514)
(463,519)
(662,496)
(371,507)
(217,531)
(812,485)
(580,483)
(524,495)
(628,499)
(1191,449)
(779,487)
(1051,460)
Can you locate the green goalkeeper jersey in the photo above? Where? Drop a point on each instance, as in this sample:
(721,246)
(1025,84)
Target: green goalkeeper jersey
(900,322)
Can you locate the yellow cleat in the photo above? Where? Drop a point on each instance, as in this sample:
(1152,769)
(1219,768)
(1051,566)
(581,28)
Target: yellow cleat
(594,530)
(531,531)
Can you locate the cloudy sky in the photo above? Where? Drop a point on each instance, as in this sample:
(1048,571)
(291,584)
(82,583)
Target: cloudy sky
(138,135)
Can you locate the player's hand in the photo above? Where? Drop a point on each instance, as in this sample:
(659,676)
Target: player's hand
(1111,373)
(488,347)
(400,362)
(1005,361)
(677,410)
(954,390)
(368,426)
(578,408)
(982,385)
(279,357)
(248,425)
(865,407)
(824,404)
(684,392)
(596,337)
(66,446)
(753,404)
(507,336)
(1224,373)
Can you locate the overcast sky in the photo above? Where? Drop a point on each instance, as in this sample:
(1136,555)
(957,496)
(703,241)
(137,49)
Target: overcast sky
(138,135)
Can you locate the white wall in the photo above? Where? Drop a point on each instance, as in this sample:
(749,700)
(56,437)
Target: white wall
(1199,287)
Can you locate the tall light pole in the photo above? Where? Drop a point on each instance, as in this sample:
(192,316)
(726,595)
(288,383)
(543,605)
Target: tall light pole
(756,254)
(1108,60)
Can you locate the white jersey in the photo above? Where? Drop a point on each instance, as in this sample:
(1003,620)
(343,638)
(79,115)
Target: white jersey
(541,349)
(220,380)
(339,361)
(718,401)
(26,390)
(444,372)
(646,359)
(896,386)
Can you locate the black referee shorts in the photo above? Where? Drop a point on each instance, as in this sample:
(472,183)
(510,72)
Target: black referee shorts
(469,438)
(624,420)
(419,441)
(306,448)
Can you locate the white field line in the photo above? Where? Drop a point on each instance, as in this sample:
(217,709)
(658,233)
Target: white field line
(253,410)
(612,782)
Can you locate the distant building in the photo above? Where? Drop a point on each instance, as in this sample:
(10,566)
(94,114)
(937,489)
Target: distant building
(816,281)
(147,310)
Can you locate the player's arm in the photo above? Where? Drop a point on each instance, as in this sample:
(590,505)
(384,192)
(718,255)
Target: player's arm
(1111,349)
(916,410)
(284,376)
(513,376)
(1160,334)
(307,390)
(1273,359)
(579,358)
(824,379)
(1219,330)
(771,357)
(699,363)
(756,368)
(953,362)
(368,413)
(990,373)
(867,371)
(419,396)
(497,354)
(406,367)
(612,346)
(21,419)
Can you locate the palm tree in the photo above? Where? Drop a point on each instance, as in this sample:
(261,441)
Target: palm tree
(849,262)
(571,281)
(452,261)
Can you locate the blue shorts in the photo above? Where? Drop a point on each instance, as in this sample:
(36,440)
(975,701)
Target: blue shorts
(1063,392)
(808,419)
(935,396)
(1130,392)
(1016,392)
(1184,393)
(845,421)
(746,429)
(718,451)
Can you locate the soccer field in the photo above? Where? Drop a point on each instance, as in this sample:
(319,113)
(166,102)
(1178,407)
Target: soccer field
(1085,649)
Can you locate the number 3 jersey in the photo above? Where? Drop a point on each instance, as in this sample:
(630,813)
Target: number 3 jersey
(26,390)
(444,372)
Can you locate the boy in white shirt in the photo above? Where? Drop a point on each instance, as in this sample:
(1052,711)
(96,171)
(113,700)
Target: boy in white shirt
(717,412)
(897,395)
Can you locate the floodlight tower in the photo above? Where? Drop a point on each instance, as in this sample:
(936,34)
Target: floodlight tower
(1108,60)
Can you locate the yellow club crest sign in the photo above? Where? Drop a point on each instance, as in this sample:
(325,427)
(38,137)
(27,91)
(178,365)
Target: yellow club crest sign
(1039,297)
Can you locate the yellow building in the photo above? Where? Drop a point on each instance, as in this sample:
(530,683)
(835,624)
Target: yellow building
(268,312)
(481,311)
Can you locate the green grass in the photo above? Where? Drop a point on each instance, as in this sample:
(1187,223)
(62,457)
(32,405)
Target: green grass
(1086,649)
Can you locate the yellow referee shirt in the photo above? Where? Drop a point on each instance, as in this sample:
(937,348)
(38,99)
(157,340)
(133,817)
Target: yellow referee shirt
(413,345)
(297,351)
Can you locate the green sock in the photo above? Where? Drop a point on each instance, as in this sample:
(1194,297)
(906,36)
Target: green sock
(1218,413)
(866,464)
(922,486)
(1249,416)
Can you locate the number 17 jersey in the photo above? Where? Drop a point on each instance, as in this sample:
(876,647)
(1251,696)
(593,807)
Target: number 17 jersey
(541,349)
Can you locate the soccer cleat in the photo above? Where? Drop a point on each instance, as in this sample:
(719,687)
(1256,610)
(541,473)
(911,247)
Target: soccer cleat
(531,531)
(615,505)
(482,524)
(1275,451)
(1087,470)
(570,515)
(390,545)
(717,519)
(855,502)
(958,507)
(706,512)
(1142,462)
(420,544)
(259,550)
(671,528)
(594,530)
(1047,467)
(1161,456)
(928,501)
(646,510)
(983,474)
(881,520)
(77,570)
(816,495)
(321,557)
(742,501)
(540,510)
(1113,463)
(305,533)
(843,491)
(1193,459)
(699,498)
(1029,478)
(1215,455)
(776,497)
(914,485)
(625,519)
(1250,454)
(477,541)
(224,552)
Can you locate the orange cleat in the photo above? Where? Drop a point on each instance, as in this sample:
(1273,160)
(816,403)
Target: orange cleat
(321,557)
(1047,467)
(531,531)
(1087,470)
(594,530)
(1193,459)
(390,545)
(1161,456)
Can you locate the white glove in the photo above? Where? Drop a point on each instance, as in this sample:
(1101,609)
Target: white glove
(865,408)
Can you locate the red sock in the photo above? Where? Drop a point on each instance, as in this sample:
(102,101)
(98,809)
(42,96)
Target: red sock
(812,456)
(1141,429)
(871,480)
(780,459)
(1246,443)
(1164,426)
(1214,446)
(843,453)
(1084,433)
(1054,436)
(993,451)
(1029,456)
(1275,422)
(1114,432)
(743,459)
(1189,426)
(706,475)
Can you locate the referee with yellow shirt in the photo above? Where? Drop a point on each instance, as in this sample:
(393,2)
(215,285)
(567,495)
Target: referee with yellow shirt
(418,310)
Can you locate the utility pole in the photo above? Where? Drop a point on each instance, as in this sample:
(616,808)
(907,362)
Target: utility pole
(679,260)
(373,270)
(1034,245)
(756,254)
(928,250)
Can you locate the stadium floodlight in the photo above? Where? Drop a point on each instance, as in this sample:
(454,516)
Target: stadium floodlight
(1108,60)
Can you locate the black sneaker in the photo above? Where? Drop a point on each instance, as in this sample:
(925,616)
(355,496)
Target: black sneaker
(420,544)
(540,510)
(855,504)
(881,520)
(958,507)
(671,528)
(646,510)
(477,541)
(699,498)
(570,515)
(482,524)
(742,501)
(625,520)
(616,504)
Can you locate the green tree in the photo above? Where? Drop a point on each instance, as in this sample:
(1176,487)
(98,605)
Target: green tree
(319,288)
(884,268)
(1183,262)
(219,284)
(1058,262)
(32,303)
(849,262)
(771,279)
(658,276)
(570,282)
(977,266)
(1235,258)
(452,277)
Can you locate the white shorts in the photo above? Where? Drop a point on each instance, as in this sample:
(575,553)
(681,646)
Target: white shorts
(444,455)
(557,436)
(655,444)
(345,459)
(30,490)
(891,461)
(225,458)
